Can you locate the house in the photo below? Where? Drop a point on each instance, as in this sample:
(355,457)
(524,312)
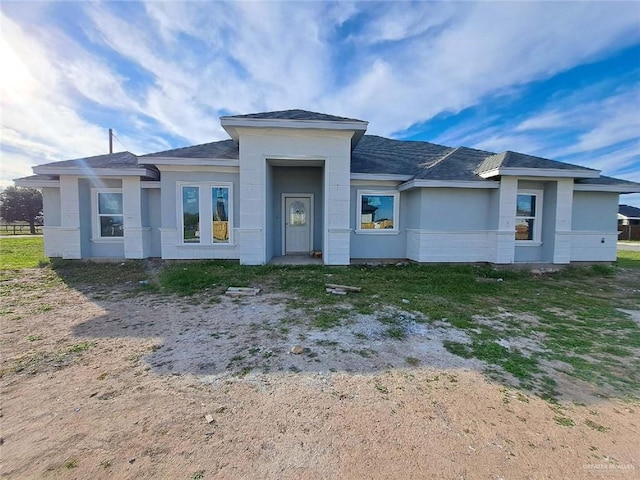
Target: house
(628,215)
(292,182)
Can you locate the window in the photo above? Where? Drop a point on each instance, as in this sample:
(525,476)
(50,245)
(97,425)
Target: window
(528,216)
(201,201)
(377,212)
(109,218)
(220,217)
(191,214)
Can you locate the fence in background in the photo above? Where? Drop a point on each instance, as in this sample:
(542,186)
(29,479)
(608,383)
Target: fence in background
(629,232)
(15,229)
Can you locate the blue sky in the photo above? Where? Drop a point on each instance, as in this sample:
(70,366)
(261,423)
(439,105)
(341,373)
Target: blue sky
(554,79)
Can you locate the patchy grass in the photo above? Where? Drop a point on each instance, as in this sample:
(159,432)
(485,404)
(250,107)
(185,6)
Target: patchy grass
(21,252)
(80,273)
(628,259)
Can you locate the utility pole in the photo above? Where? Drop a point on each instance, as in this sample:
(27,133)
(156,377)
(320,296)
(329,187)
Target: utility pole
(110,141)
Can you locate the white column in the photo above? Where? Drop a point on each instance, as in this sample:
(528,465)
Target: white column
(69,218)
(564,211)
(506,239)
(132,211)
(252,208)
(337,209)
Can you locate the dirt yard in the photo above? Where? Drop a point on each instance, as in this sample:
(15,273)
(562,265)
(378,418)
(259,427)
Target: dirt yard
(111,385)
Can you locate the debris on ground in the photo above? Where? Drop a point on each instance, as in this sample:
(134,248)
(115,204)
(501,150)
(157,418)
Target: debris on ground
(209,418)
(242,291)
(297,349)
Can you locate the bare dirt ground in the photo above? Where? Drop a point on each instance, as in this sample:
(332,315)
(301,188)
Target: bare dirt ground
(112,386)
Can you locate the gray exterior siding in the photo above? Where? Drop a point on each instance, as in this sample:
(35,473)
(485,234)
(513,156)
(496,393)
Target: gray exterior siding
(89,247)
(595,211)
(456,209)
(151,218)
(51,206)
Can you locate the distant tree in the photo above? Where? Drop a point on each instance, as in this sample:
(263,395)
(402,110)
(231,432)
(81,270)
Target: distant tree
(18,204)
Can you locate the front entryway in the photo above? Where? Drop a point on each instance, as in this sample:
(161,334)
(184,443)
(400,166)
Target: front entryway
(298,223)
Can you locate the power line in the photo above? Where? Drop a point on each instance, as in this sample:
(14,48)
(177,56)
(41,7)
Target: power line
(116,137)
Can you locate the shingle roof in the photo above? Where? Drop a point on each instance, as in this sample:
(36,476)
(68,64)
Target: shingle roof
(629,211)
(227,149)
(520,160)
(458,164)
(109,160)
(375,154)
(604,180)
(295,115)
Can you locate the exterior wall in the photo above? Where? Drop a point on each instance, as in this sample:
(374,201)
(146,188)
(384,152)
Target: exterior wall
(594,226)
(543,252)
(52,222)
(303,146)
(171,236)
(293,180)
(90,247)
(379,244)
(454,225)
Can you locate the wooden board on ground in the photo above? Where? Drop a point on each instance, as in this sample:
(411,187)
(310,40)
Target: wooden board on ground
(346,288)
(242,291)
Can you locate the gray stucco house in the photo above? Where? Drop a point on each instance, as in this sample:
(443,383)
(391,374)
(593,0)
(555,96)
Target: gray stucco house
(292,182)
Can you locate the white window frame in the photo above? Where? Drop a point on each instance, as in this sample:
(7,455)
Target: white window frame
(537,218)
(396,212)
(96,231)
(205,202)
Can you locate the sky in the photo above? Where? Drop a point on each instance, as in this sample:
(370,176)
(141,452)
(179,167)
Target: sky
(559,80)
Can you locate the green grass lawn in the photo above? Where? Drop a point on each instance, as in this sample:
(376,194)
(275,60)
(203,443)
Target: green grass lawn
(573,315)
(21,252)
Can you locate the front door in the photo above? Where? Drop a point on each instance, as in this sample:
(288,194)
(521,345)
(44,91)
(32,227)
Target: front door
(297,226)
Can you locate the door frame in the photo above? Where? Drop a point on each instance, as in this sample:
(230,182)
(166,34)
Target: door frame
(284,218)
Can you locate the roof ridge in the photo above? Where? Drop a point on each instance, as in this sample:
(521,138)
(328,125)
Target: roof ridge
(188,146)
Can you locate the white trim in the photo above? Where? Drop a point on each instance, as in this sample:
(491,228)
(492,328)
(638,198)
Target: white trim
(396,211)
(35,183)
(231,124)
(374,183)
(153,184)
(607,188)
(447,184)
(284,218)
(537,218)
(204,168)
(540,172)
(205,211)
(96,172)
(381,176)
(184,161)
(96,232)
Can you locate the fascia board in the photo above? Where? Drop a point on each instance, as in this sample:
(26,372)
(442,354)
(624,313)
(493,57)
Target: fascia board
(446,184)
(222,162)
(36,183)
(607,188)
(380,177)
(95,172)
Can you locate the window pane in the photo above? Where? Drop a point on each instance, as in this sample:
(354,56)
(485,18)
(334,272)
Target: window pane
(220,204)
(110,203)
(526,206)
(524,229)
(111,226)
(191,214)
(297,214)
(376,212)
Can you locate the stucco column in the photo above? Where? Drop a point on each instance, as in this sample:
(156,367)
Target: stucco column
(564,211)
(337,192)
(132,212)
(252,208)
(506,239)
(70,245)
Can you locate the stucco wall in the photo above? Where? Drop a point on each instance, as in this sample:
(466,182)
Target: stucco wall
(151,218)
(594,226)
(91,247)
(332,148)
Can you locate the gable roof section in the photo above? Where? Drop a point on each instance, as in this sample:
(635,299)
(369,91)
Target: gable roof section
(380,155)
(113,164)
(629,211)
(225,149)
(295,115)
(514,163)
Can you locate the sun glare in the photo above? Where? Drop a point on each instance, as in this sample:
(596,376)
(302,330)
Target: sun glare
(16,82)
